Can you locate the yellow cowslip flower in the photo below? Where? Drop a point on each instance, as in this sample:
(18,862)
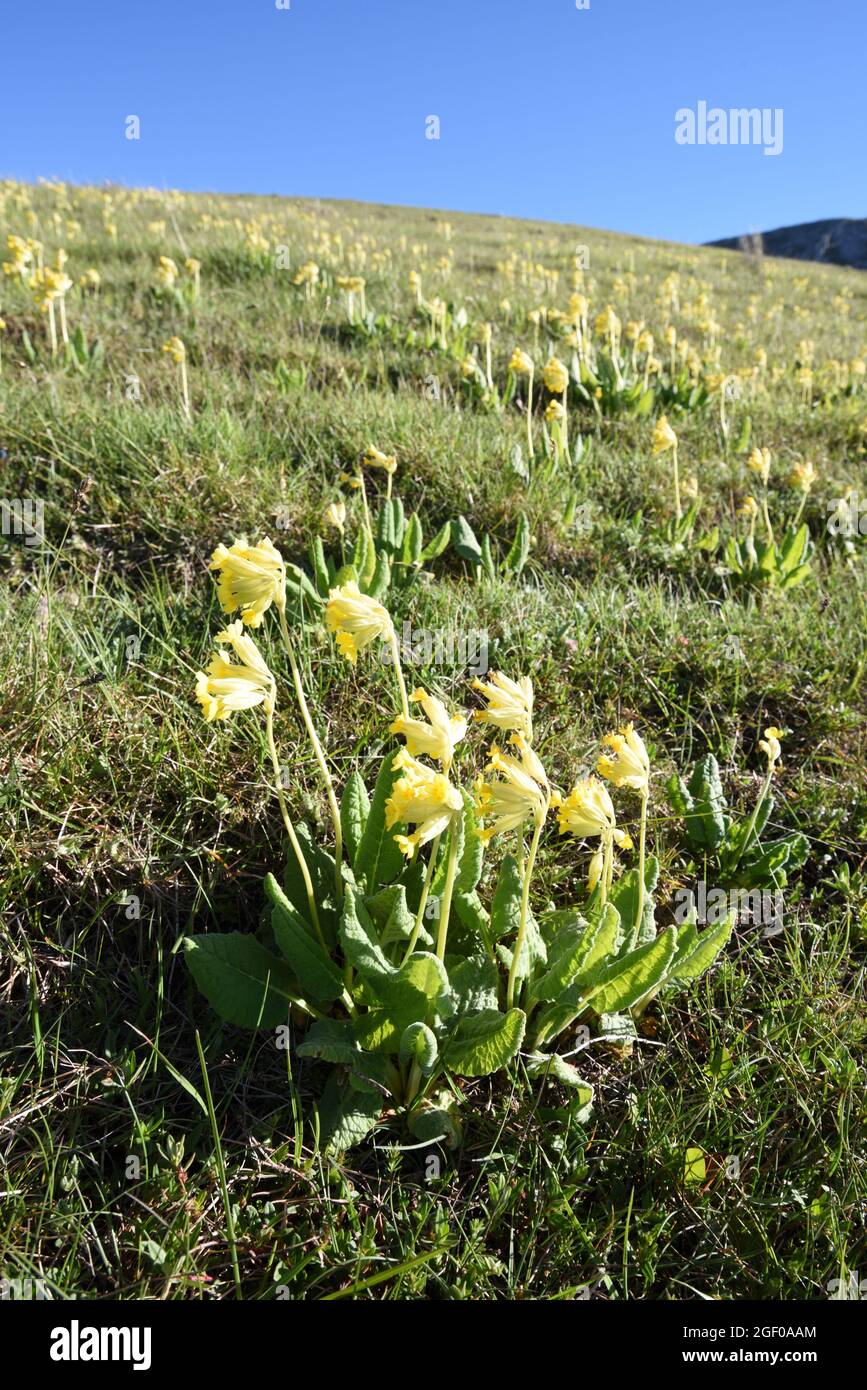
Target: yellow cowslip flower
(587,811)
(759,462)
(414,280)
(520,363)
(629,766)
(252,577)
(470,367)
(555,376)
(670,335)
(554,412)
(167,272)
(645,343)
(176,349)
(518,792)
(749,508)
(803,476)
(770,746)
(509,703)
(421,797)
(22,255)
(48,285)
(760,358)
(90,280)
(192,266)
(307,274)
(356,619)
(374,458)
(606,323)
(664,437)
(689,487)
(335,515)
(436,739)
(227,686)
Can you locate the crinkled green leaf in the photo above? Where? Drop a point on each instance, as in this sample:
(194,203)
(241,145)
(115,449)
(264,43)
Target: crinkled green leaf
(482,1043)
(354,810)
(695,955)
(418,1044)
(379,859)
(633,976)
(317,973)
(346,1115)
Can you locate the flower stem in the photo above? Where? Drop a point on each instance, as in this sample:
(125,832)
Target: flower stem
(185,389)
(398,671)
(642,846)
(530,414)
(525,909)
(446,904)
(753,818)
(320,757)
(290,829)
(768,527)
(428,880)
(605,876)
(677,507)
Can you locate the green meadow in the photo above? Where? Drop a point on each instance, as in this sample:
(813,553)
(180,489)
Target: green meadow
(149,1148)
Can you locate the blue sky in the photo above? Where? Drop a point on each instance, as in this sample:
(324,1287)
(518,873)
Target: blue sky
(545,110)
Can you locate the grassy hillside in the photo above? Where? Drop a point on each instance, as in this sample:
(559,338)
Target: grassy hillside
(127,823)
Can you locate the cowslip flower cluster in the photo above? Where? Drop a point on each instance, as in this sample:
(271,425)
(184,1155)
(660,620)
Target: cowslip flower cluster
(226,686)
(251,578)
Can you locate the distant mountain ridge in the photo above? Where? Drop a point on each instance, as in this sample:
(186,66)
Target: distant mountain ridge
(834,240)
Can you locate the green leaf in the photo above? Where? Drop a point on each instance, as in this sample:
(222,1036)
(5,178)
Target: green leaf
(696,954)
(439,543)
(474,982)
(488,564)
(245,984)
(436,1119)
(364,556)
(694,1168)
(379,581)
(464,541)
(520,548)
(320,865)
(633,976)
(332,1040)
(482,1043)
(320,567)
(359,941)
(379,858)
(551,1067)
(354,810)
(506,906)
(793,546)
(473,915)
(419,1045)
(411,553)
(705,823)
(424,973)
(391,916)
(578,957)
(346,1115)
(506,919)
(624,896)
(471,849)
(314,968)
